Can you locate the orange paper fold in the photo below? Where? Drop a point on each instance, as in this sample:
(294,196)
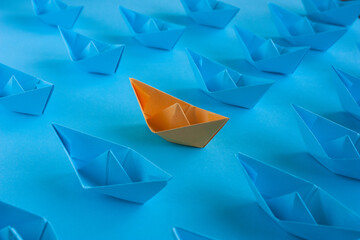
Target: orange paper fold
(175,120)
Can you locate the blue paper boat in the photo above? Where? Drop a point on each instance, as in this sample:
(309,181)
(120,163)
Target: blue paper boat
(17,224)
(225,84)
(111,169)
(334,146)
(349,91)
(298,206)
(268,56)
(152,32)
(300,31)
(182,234)
(211,13)
(22,93)
(92,55)
(56,13)
(332,11)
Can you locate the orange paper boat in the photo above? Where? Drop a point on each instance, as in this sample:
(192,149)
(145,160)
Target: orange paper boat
(175,120)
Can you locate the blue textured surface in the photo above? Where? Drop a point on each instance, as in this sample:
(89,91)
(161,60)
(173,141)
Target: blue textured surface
(209,193)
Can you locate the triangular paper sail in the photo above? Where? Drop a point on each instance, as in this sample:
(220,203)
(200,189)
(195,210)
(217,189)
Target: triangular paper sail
(175,120)
(300,31)
(299,207)
(227,85)
(152,32)
(210,13)
(111,169)
(268,56)
(56,13)
(22,93)
(92,55)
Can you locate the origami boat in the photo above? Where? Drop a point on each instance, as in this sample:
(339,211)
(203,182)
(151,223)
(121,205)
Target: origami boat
(111,169)
(92,55)
(22,93)
(298,206)
(56,13)
(17,224)
(268,56)
(332,11)
(300,31)
(349,91)
(225,84)
(175,120)
(152,32)
(182,234)
(211,13)
(332,145)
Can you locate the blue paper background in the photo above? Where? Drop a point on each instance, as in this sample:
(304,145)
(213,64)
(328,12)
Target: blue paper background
(209,193)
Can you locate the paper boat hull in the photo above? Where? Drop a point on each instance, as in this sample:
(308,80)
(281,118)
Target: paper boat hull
(104,63)
(130,192)
(318,232)
(64,18)
(31,102)
(245,97)
(195,135)
(284,64)
(162,40)
(344,15)
(218,18)
(345,167)
(320,41)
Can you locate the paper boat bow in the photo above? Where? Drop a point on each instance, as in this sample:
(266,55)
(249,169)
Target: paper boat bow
(299,207)
(152,32)
(56,13)
(111,169)
(349,91)
(300,31)
(92,55)
(210,13)
(175,120)
(225,84)
(182,234)
(17,224)
(332,11)
(334,146)
(268,56)
(22,93)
